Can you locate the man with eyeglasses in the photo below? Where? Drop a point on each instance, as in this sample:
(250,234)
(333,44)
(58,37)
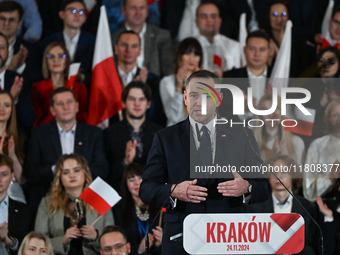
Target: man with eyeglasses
(64,135)
(113,239)
(22,54)
(220,53)
(332,37)
(79,44)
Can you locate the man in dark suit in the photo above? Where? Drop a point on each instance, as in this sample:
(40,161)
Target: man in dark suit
(255,74)
(127,50)
(130,140)
(280,201)
(196,142)
(156,47)
(22,57)
(63,136)
(18,88)
(79,44)
(14,215)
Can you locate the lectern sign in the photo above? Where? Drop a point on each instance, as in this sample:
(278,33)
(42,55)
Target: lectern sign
(248,233)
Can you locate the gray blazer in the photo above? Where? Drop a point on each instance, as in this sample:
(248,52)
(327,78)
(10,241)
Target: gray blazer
(158,50)
(53,227)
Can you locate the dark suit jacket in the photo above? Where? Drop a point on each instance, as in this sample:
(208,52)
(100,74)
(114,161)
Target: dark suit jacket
(24,107)
(170,156)
(32,72)
(45,149)
(18,220)
(115,138)
(311,233)
(158,51)
(84,52)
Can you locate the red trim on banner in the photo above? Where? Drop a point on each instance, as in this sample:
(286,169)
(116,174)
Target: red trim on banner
(284,220)
(95,200)
(218,60)
(295,243)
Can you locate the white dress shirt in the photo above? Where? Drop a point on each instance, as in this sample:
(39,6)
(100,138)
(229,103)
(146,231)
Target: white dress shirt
(258,84)
(126,78)
(140,58)
(67,139)
(282,208)
(2,80)
(71,44)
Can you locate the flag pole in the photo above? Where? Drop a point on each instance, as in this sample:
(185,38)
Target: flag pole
(96,220)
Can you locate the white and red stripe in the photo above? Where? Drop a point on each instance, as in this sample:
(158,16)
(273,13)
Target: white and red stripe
(106,88)
(327,39)
(305,123)
(100,195)
(72,74)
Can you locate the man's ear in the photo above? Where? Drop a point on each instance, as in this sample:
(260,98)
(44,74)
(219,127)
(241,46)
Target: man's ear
(52,111)
(19,24)
(77,107)
(128,245)
(62,15)
(149,104)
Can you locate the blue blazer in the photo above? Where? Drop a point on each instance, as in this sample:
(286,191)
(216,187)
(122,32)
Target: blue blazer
(170,156)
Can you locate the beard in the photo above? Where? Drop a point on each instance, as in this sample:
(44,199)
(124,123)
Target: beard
(135,117)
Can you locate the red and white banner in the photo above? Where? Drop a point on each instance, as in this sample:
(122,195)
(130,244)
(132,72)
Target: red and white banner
(72,74)
(106,88)
(100,195)
(246,233)
(89,4)
(302,124)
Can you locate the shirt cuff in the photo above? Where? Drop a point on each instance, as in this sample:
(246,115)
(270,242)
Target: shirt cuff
(246,199)
(15,244)
(328,219)
(173,202)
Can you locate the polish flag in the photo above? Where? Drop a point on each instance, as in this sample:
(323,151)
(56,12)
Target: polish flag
(89,4)
(72,75)
(304,122)
(243,37)
(327,39)
(280,74)
(101,196)
(106,88)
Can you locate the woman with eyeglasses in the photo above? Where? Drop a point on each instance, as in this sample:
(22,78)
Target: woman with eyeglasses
(302,54)
(66,218)
(134,216)
(55,69)
(36,243)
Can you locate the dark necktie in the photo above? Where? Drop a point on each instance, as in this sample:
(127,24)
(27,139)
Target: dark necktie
(205,147)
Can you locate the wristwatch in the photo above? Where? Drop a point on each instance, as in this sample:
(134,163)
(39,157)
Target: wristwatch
(250,187)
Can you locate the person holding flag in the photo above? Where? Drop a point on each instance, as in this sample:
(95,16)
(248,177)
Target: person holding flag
(55,69)
(71,223)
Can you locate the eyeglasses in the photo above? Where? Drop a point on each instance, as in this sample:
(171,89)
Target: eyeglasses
(74,11)
(283,14)
(117,247)
(10,20)
(51,56)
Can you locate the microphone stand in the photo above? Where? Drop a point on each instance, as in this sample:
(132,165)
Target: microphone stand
(321,249)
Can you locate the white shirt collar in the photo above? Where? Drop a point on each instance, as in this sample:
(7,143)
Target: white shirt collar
(209,125)
(133,71)
(251,75)
(71,40)
(73,129)
(279,204)
(11,46)
(141,33)
(5,202)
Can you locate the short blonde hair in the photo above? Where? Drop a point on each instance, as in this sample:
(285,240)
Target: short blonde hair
(45,71)
(40,236)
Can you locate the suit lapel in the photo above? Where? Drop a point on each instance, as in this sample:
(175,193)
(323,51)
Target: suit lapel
(55,139)
(13,216)
(78,140)
(148,45)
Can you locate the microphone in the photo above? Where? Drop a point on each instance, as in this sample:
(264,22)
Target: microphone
(321,249)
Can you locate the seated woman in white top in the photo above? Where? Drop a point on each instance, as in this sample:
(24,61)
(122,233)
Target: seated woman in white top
(272,138)
(188,60)
(324,152)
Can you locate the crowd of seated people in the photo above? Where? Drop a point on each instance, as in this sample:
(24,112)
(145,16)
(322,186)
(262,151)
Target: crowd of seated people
(49,154)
